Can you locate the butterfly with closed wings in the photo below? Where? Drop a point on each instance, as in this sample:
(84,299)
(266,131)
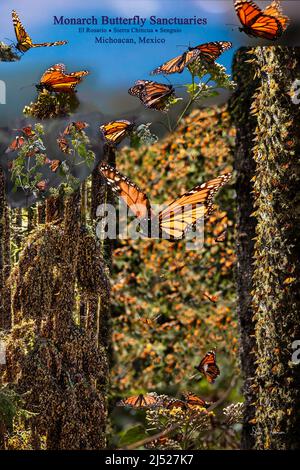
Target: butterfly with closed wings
(24,41)
(208,367)
(269,23)
(178,217)
(115,131)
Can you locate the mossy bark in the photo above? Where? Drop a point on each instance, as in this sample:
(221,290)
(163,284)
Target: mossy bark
(269,271)
(276,279)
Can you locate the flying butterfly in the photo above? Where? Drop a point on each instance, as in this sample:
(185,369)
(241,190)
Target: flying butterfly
(24,41)
(207,52)
(178,217)
(208,367)
(56,80)
(149,400)
(115,131)
(193,400)
(267,24)
(153,95)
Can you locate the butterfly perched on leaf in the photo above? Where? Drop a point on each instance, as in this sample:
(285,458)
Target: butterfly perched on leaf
(178,217)
(53,164)
(19,141)
(24,41)
(149,400)
(76,125)
(207,52)
(208,367)
(269,23)
(55,79)
(194,400)
(153,95)
(115,131)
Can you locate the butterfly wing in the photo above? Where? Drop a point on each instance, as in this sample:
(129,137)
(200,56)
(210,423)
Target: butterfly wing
(208,367)
(132,195)
(50,44)
(221,237)
(184,212)
(267,24)
(24,41)
(55,79)
(210,51)
(115,131)
(153,95)
(193,400)
(177,64)
(140,401)
(17,143)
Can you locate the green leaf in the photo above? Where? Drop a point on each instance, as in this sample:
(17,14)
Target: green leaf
(132,435)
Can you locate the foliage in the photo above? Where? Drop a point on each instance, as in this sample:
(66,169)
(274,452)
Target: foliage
(7,53)
(48,105)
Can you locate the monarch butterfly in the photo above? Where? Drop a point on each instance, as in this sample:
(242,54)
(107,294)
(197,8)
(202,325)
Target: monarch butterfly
(221,237)
(176,403)
(208,367)
(193,400)
(207,52)
(152,94)
(140,401)
(56,80)
(53,164)
(19,141)
(63,145)
(268,24)
(115,131)
(78,126)
(42,185)
(24,41)
(16,144)
(178,217)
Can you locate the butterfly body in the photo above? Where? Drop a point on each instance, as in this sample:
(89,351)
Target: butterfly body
(24,41)
(269,23)
(56,80)
(153,95)
(178,217)
(208,367)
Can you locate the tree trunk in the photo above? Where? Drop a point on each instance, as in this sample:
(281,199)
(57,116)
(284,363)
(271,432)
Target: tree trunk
(273,261)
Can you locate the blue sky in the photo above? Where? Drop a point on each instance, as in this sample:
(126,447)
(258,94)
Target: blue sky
(113,67)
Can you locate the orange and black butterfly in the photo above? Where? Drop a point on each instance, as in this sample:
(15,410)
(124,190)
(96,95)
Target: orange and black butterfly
(115,131)
(221,237)
(19,141)
(207,52)
(208,367)
(42,185)
(140,401)
(53,164)
(268,24)
(176,403)
(24,41)
(153,95)
(56,80)
(63,145)
(77,125)
(193,400)
(177,218)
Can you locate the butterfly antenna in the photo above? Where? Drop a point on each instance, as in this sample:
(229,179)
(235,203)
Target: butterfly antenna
(27,86)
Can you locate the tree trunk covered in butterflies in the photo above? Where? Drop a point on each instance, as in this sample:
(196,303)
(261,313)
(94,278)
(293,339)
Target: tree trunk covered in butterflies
(276,276)
(5,294)
(245,124)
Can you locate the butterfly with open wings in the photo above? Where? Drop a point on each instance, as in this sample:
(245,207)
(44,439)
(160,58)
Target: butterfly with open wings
(178,217)
(141,401)
(56,80)
(269,23)
(24,41)
(207,52)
